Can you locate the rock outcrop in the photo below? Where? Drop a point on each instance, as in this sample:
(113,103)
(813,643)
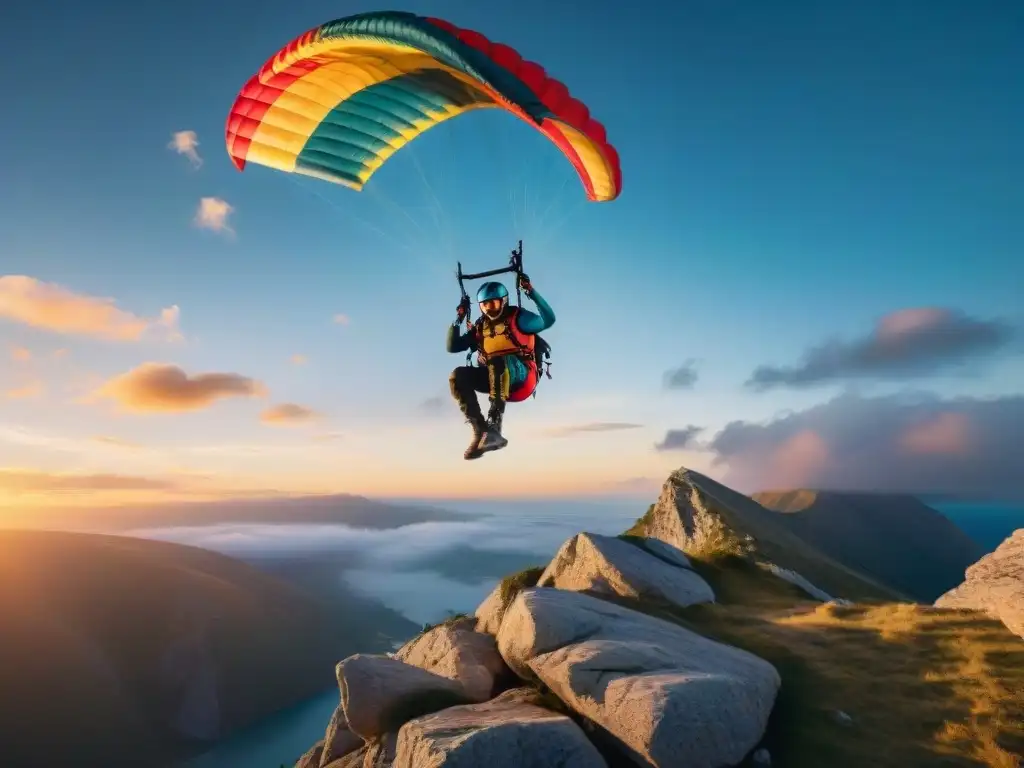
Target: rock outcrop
(555,669)
(455,650)
(610,565)
(670,696)
(507,732)
(614,654)
(696,514)
(376,690)
(994,585)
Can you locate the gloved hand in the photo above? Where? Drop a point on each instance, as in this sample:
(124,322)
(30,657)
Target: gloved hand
(525,284)
(462,310)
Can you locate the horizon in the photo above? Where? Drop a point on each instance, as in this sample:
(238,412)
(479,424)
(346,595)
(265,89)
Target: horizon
(806,282)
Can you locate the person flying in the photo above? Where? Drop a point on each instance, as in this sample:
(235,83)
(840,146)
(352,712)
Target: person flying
(505,340)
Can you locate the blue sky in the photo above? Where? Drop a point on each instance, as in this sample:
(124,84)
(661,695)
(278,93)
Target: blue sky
(792,172)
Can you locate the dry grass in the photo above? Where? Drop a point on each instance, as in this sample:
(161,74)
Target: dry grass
(512,585)
(924,686)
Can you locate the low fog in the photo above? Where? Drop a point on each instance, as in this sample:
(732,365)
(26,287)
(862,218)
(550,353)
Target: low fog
(424,570)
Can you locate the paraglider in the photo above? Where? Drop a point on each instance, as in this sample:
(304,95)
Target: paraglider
(339,100)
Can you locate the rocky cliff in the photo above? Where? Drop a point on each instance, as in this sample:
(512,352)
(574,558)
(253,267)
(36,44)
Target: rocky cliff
(113,647)
(895,538)
(708,635)
(995,585)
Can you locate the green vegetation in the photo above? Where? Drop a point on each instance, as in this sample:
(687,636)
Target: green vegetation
(512,585)
(639,528)
(452,620)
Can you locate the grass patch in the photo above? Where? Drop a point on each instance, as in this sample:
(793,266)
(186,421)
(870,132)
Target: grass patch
(638,528)
(924,686)
(451,621)
(512,585)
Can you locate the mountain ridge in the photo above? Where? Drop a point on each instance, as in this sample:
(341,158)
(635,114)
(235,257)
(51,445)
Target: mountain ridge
(893,537)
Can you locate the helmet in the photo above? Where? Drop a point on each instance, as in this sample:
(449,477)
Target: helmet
(489,291)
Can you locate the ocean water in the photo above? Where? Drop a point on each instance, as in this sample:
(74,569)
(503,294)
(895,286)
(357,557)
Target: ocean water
(988,523)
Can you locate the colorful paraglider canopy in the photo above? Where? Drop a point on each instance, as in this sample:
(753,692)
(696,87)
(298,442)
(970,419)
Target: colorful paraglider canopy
(338,101)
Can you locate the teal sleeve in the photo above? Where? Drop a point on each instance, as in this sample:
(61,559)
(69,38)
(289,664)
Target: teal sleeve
(530,322)
(458,341)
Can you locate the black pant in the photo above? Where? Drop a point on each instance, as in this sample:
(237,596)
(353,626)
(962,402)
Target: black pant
(466,380)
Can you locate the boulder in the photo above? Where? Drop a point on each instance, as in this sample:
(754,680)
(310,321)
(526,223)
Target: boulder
(490,612)
(351,760)
(338,740)
(378,694)
(380,753)
(492,609)
(506,732)
(312,758)
(456,651)
(994,585)
(672,698)
(607,564)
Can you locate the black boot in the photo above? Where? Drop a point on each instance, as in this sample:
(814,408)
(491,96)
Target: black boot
(479,430)
(493,439)
(470,407)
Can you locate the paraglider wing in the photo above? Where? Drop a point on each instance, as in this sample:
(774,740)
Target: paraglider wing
(338,101)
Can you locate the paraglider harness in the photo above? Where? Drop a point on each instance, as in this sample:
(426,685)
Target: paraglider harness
(541,353)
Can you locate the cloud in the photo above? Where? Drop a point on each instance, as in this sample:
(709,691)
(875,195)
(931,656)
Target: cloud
(905,344)
(679,439)
(20,354)
(299,359)
(32,481)
(328,437)
(288,414)
(56,308)
(154,387)
(683,377)
(185,143)
(340,319)
(900,443)
(640,486)
(117,442)
(26,391)
(597,426)
(213,214)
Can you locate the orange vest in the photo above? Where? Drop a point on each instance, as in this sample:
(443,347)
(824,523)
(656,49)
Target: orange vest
(503,337)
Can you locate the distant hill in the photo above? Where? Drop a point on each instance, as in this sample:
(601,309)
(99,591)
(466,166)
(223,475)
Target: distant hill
(895,538)
(114,647)
(344,509)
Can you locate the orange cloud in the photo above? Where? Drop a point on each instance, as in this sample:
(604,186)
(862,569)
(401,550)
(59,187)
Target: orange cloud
(213,214)
(117,442)
(340,319)
(26,391)
(156,387)
(287,414)
(20,354)
(33,481)
(185,143)
(299,359)
(56,308)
